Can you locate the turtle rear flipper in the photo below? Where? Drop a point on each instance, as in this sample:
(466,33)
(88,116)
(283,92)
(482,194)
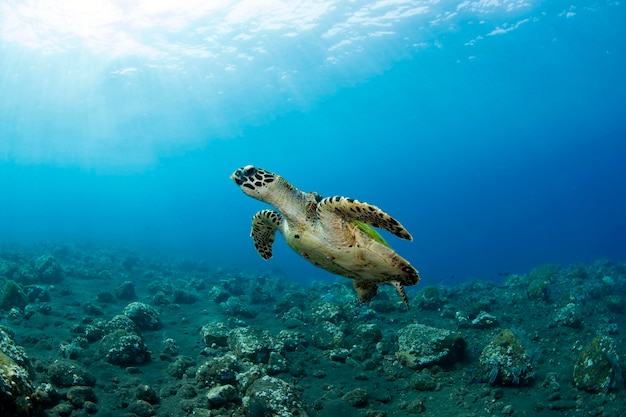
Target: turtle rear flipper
(363,212)
(264,226)
(401,293)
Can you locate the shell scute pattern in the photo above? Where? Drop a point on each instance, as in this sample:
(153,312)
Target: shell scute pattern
(366,213)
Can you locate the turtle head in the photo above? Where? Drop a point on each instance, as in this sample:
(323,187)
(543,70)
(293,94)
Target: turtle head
(255,182)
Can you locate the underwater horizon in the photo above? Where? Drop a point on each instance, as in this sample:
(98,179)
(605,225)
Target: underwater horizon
(494,131)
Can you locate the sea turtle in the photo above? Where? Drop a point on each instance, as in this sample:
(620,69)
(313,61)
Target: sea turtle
(334,233)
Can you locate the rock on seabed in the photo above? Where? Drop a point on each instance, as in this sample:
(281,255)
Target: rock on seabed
(420,346)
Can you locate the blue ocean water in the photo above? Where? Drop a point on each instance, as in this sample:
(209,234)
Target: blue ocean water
(495,131)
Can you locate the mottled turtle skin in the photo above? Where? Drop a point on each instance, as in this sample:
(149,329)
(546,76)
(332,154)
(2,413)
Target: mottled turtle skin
(334,233)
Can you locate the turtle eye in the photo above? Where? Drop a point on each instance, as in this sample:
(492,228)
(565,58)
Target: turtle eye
(249,170)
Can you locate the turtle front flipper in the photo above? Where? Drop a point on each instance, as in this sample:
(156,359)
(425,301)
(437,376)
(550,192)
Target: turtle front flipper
(365,290)
(369,214)
(264,225)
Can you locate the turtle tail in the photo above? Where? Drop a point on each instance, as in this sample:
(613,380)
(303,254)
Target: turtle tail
(401,292)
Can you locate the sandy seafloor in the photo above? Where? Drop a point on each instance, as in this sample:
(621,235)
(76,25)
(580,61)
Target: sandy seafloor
(223,342)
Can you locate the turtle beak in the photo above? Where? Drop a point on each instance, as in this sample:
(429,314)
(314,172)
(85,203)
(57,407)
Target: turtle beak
(238,176)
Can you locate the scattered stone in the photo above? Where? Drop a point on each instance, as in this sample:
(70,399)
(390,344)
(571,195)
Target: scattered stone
(169,350)
(273,396)
(36,313)
(484,320)
(246,378)
(146,393)
(462,320)
(546,272)
(73,350)
(184,296)
(261,293)
(333,408)
(356,398)
(293,318)
(416,406)
(320,343)
(92,309)
(90,407)
(369,333)
(123,348)
(538,290)
(160,300)
(505,361)
(291,340)
(326,311)
(121,322)
(134,370)
(178,368)
(276,364)
(220,395)
(7,268)
(238,307)
(552,386)
(218,295)
(420,346)
(143,315)
(561,405)
(298,299)
(428,299)
(247,343)
(48,270)
(220,370)
(15,316)
(68,373)
(496,393)
(62,410)
(12,296)
(326,335)
(338,355)
(424,381)
(105,297)
(37,294)
(233,285)
(141,408)
(46,395)
(615,303)
(78,395)
(16,389)
(569,316)
(95,330)
(187,391)
(597,367)
(318,373)
(125,291)
(215,333)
